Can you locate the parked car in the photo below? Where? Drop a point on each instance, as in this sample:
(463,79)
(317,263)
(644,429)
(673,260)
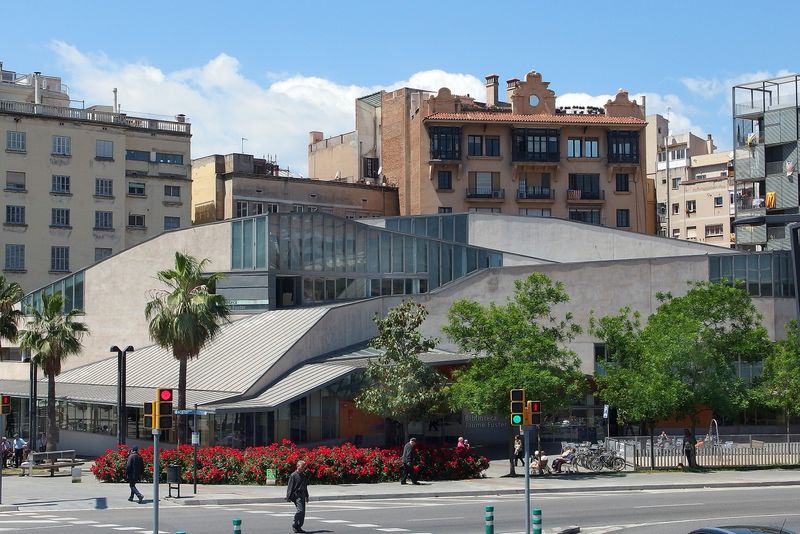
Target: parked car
(743,529)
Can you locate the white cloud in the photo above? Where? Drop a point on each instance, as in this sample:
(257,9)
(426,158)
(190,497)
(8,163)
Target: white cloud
(712,87)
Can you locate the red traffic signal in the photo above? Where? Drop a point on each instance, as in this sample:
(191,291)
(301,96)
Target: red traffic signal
(165,395)
(536,407)
(5,399)
(5,404)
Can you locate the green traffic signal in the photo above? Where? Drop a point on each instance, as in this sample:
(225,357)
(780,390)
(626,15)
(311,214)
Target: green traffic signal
(516,419)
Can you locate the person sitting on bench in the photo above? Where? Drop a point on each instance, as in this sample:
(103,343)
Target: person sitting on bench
(567,456)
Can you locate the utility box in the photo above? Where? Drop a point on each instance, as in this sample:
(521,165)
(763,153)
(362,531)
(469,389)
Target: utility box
(271,480)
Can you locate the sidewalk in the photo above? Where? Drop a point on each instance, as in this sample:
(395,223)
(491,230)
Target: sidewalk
(59,492)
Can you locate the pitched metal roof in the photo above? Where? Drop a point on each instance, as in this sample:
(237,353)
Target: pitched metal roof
(242,352)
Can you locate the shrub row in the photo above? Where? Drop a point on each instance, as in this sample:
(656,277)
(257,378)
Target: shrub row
(326,465)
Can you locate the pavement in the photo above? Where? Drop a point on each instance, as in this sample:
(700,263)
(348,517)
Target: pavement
(59,492)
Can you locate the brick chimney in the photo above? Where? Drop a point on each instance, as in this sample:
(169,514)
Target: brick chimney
(492,84)
(314,137)
(710,144)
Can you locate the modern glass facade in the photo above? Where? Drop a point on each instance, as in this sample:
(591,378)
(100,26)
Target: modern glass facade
(767,274)
(71,287)
(445,227)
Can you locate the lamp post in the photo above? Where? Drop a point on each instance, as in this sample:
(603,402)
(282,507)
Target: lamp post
(32,408)
(122,411)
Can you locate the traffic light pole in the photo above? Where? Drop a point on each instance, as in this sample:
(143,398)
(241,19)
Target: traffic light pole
(156,434)
(526,438)
(3,452)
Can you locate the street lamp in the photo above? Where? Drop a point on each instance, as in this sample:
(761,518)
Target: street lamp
(32,402)
(122,411)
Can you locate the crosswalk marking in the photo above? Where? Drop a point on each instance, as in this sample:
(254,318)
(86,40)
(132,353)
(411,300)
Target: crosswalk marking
(364,525)
(127,528)
(393,529)
(83,522)
(334,521)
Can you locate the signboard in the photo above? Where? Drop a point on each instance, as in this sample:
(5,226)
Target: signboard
(605,411)
(190,412)
(195,438)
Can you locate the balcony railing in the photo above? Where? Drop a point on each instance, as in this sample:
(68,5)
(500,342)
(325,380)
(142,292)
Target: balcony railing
(776,167)
(446,154)
(535,193)
(107,117)
(623,158)
(535,156)
(581,194)
(486,192)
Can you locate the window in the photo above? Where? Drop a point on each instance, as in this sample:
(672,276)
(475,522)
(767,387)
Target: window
(591,216)
(587,184)
(135,221)
(15,181)
(171,223)
(623,147)
(533,144)
(574,147)
(676,233)
(258,208)
(678,153)
(676,208)
(15,214)
(241,208)
(445,142)
(591,147)
(103,220)
(59,259)
(718,202)
(172,191)
(662,156)
(272,208)
(492,145)
(15,258)
(102,253)
(623,182)
(691,233)
(62,145)
(676,182)
(623,218)
(445,209)
(484,185)
(137,155)
(484,210)
(104,149)
(60,184)
(297,208)
(475,145)
(16,141)
(136,189)
(713,230)
(691,206)
(103,187)
(59,217)
(535,212)
(445,180)
(371,166)
(172,159)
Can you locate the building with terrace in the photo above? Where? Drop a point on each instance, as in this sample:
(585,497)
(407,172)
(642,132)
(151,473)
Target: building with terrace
(80,184)
(304,288)
(449,153)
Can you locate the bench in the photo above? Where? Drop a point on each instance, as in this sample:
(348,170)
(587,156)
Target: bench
(52,461)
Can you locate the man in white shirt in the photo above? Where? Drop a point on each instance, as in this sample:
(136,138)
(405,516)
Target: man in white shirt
(19,447)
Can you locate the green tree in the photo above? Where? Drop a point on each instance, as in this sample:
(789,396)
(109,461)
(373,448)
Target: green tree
(400,386)
(52,336)
(516,345)
(10,294)
(778,387)
(185,317)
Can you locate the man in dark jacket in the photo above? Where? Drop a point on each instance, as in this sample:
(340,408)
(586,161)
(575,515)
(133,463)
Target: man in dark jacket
(297,492)
(409,459)
(134,469)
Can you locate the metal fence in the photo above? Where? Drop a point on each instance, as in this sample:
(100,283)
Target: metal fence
(748,450)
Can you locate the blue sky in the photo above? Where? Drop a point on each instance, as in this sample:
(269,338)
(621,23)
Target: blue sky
(271,72)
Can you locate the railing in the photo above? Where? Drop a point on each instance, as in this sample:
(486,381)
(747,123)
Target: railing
(446,154)
(336,140)
(535,156)
(109,117)
(535,193)
(582,194)
(776,167)
(623,158)
(486,192)
(744,204)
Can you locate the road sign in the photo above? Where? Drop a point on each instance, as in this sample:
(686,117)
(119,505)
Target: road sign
(605,411)
(190,412)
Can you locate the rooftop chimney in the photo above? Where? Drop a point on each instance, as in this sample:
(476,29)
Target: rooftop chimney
(492,82)
(710,144)
(511,84)
(314,137)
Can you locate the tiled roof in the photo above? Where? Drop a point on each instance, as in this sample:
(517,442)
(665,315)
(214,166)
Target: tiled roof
(484,116)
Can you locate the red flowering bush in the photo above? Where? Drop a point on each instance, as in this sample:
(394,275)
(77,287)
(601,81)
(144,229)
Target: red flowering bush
(344,464)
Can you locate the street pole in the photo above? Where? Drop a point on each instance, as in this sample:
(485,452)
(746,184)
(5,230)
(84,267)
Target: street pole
(156,433)
(526,437)
(3,452)
(122,387)
(195,442)
(32,409)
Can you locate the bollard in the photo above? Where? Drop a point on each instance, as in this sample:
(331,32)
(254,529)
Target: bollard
(537,520)
(237,526)
(180,532)
(489,520)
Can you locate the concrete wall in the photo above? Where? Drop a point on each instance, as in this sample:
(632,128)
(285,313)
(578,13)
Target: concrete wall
(336,154)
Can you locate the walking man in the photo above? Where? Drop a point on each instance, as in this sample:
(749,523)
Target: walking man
(409,459)
(134,469)
(297,492)
(19,449)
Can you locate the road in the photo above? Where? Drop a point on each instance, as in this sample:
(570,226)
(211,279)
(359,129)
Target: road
(635,512)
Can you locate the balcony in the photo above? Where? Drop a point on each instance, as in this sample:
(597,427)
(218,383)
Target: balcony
(445,154)
(536,194)
(581,196)
(750,207)
(486,193)
(751,235)
(623,158)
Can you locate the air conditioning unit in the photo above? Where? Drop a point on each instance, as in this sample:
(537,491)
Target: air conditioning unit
(497,194)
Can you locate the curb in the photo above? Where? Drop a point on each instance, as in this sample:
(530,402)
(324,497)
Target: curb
(200,501)
(8,508)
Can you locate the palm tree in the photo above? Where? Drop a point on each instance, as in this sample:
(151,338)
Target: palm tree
(52,336)
(185,317)
(10,294)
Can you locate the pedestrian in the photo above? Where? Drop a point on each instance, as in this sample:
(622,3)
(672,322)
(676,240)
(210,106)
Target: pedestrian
(19,449)
(689,449)
(6,451)
(41,443)
(519,451)
(461,444)
(466,444)
(297,492)
(409,460)
(134,469)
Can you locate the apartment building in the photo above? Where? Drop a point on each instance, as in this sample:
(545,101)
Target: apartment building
(239,185)
(450,153)
(81,184)
(765,135)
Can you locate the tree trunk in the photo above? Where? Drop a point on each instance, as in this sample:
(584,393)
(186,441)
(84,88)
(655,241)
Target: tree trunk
(652,447)
(52,427)
(182,419)
(786,410)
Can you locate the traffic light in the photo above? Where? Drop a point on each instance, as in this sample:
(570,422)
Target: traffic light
(517,406)
(164,408)
(148,414)
(535,410)
(5,404)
